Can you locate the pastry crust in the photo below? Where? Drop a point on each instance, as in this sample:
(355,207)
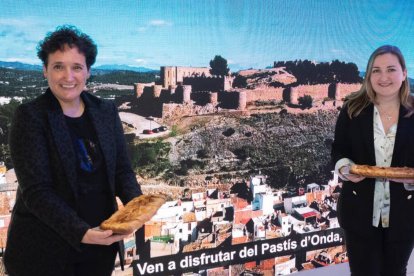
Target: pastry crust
(382,172)
(134,214)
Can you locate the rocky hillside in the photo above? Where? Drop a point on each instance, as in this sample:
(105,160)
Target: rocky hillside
(292,149)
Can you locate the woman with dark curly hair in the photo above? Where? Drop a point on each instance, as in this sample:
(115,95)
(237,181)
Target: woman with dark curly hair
(70,158)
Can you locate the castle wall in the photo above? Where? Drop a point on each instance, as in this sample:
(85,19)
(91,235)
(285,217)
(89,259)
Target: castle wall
(182,94)
(187,90)
(148,93)
(139,88)
(202,97)
(181,86)
(344,89)
(205,83)
(265,94)
(157,90)
(321,91)
(317,92)
(242,101)
(229,100)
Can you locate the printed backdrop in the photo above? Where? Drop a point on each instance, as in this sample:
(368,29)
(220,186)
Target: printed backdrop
(229,110)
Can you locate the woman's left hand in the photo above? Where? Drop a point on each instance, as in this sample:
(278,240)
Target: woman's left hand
(107,237)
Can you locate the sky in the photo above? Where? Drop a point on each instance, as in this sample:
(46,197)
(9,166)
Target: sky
(248,34)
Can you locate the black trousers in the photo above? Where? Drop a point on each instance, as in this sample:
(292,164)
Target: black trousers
(94,260)
(377,254)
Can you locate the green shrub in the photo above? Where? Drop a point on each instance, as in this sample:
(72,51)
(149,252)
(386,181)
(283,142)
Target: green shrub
(174,131)
(306,101)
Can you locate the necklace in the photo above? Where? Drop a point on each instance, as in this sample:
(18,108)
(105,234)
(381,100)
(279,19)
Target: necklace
(386,115)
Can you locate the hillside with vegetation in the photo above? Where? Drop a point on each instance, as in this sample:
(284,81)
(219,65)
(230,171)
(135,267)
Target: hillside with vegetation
(292,149)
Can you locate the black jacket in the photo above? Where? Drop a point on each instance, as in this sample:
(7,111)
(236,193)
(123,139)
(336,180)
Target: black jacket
(354,139)
(44,227)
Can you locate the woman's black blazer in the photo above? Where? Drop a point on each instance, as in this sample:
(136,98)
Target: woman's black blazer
(44,226)
(354,139)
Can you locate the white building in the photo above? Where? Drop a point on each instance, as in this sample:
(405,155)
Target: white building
(258,184)
(216,205)
(286,224)
(187,206)
(259,228)
(294,202)
(263,202)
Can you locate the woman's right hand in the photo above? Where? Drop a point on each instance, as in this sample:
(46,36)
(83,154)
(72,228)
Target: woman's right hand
(344,171)
(107,237)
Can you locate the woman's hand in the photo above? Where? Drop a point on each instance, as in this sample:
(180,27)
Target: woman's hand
(107,237)
(344,171)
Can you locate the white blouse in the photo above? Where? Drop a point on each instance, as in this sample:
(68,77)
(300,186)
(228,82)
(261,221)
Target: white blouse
(384,147)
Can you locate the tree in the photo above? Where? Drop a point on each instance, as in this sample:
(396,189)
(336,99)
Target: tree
(240,82)
(306,101)
(219,66)
(7,112)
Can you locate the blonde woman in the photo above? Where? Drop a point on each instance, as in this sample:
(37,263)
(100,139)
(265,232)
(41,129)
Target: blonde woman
(376,127)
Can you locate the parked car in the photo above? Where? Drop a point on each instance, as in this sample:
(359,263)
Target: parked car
(147,131)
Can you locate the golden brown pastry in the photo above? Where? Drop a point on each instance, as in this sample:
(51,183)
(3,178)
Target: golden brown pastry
(382,172)
(133,215)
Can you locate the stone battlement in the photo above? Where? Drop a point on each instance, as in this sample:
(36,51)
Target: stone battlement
(208,77)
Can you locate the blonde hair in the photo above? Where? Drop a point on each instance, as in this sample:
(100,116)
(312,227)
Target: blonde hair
(359,100)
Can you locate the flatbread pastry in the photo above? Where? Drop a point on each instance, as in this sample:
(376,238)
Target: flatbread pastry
(134,214)
(382,172)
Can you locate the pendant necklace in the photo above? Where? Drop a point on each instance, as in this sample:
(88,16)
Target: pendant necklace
(386,116)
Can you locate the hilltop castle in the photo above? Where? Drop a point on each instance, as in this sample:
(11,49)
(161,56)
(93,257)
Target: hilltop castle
(187,85)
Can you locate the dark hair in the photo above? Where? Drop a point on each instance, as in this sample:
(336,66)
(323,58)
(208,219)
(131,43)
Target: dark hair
(70,36)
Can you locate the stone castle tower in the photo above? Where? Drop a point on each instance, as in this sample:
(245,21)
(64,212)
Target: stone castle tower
(173,75)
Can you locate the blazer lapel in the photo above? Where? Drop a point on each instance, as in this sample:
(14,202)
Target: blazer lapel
(64,146)
(401,139)
(366,126)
